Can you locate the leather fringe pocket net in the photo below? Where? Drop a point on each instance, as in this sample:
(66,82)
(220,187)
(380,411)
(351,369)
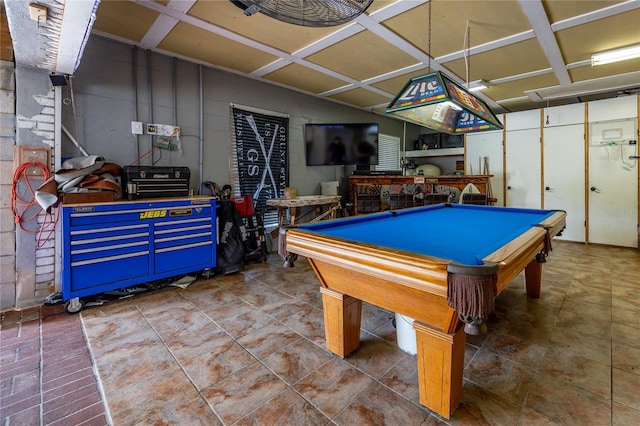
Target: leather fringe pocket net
(471,291)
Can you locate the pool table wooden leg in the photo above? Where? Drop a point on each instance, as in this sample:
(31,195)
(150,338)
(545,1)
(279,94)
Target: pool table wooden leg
(440,368)
(342,314)
(533,278)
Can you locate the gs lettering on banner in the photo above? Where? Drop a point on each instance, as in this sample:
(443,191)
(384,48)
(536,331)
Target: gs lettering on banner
(253,157)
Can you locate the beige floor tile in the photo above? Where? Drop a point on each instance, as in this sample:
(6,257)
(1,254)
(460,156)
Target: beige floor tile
(403,378)
(293,362)
(387,331)
(192,341)
(373,316)
(375,356)
(239,394)
(624,415)
(139,400)
(626,357)
(333,387)
(577,371)
(265,341)
(597,311)
(481,407)
(117,366)
(594,348)
(626,388)
(378,405)
(626,334)
(583,325)
(243,324)
(554,399)
(308,323)
(121,330)
(522,351)
(590,292)
(192,412)
(502,377)
(286,408)
(213,365)
(628,317)
(528,320)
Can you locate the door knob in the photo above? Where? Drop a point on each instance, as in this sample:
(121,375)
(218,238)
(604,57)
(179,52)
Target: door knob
(594,189)
(510,187)
(546,188)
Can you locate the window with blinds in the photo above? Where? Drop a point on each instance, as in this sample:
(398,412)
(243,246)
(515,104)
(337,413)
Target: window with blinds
(389,152)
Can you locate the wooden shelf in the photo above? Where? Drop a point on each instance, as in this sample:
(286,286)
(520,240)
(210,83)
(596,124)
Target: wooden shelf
(442,152)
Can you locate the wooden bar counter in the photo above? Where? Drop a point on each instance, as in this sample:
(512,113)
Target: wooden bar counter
(376,184)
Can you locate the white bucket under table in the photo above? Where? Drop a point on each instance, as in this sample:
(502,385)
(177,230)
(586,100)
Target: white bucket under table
(406,334)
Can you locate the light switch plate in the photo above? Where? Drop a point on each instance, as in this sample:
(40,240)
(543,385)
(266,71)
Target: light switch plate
(136,127)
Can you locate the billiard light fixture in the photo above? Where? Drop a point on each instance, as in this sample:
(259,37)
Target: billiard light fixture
(615,55)
(437,102)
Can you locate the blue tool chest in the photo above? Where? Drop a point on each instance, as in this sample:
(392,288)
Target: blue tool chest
(108,246)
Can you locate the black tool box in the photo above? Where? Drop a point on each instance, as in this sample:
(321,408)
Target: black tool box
(140,182)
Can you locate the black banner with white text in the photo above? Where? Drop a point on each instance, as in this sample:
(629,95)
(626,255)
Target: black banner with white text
(261,145)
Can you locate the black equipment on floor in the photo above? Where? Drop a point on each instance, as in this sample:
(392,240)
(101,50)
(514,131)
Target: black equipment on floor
(256,248)
(232,239)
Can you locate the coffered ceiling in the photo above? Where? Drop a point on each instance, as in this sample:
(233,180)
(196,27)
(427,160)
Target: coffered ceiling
(533,53)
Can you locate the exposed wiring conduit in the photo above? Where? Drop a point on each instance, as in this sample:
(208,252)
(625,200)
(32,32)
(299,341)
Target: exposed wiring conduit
(134,72)
(201,129)
(150,86)
(175,96)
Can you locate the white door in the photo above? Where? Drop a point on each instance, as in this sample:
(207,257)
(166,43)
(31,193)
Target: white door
(613,189)
(613,177)
(523,168)
(486,148)
(564,177)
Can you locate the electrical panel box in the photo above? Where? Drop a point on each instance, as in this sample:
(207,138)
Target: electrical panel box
(163,130)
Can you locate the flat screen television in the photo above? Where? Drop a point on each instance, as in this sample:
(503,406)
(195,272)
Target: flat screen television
(341,144)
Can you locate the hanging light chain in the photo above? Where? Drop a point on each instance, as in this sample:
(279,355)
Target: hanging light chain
(429,39)
(468,47)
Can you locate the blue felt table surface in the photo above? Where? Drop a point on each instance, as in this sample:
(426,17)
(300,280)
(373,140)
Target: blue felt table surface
(463,233)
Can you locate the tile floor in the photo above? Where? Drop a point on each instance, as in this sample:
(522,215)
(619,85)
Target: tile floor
(248,348)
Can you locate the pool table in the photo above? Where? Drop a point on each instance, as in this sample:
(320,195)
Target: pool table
(428,263)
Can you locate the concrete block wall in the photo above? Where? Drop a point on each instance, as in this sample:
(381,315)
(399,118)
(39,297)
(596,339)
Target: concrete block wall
(35,116)
(27,259)
(7,225)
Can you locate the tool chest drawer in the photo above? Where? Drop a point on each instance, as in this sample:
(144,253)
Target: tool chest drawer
(107,246)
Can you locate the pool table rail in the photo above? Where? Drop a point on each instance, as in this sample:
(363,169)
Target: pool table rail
(522,254)
(422,272)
